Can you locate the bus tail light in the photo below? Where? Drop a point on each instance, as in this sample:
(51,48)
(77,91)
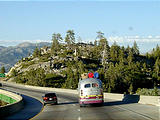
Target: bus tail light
(81,92)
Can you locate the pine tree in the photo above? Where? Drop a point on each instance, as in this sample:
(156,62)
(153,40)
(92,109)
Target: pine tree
(100,35)
(56,39)
(70,78)
(130,90)
(3,70)
(36,52)
(14,73)
(81,67)
(79,39)
(114,52)
(70,38)
(135,48)
(36,77)
(103,47)
(110,77)
(156,70)
(122,55)
(95,43)
(130,56)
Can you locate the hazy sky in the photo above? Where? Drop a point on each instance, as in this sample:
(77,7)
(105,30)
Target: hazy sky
(121,21)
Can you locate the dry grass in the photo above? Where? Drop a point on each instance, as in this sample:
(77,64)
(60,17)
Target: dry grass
(3,103)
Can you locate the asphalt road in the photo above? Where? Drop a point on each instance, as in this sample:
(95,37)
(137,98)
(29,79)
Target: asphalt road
(69,109)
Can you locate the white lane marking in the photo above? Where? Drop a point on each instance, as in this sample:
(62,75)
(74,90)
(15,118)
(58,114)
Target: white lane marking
(78,109)
(79,118)
(74,104)
(140,114)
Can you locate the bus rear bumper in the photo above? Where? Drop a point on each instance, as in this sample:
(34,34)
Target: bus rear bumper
(91,102)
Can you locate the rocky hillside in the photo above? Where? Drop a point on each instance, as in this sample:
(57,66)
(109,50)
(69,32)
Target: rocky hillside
(45,68)
(122,70)
(52,63)
(10,55)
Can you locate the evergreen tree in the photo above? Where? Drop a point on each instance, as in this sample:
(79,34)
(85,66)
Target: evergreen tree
(14,73)
(122,55)
(103,47)
(69,83)
(114,52)
(100,35)
(36,77)
(156,71)
(70,38)
(3,70)
(56,39)
(81,67)
(95,43)
(130,90)
(157,52)
(111,78)
(130,56)
(135,48)
(37,52)
(79,39)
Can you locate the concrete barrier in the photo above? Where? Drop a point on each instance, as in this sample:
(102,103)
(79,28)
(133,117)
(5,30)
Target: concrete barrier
(11,108)
(52,89)
(114,96)
(153,100)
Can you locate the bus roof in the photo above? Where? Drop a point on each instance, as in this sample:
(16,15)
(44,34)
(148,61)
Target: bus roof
(90,80)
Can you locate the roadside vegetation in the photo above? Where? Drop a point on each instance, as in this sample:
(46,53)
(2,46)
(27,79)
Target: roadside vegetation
(2,103)
(122,70)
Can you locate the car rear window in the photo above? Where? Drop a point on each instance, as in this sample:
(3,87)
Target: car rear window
(87,85)
(50,95)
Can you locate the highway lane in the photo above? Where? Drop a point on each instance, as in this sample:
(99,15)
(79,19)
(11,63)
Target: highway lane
(68,108)
(31,108)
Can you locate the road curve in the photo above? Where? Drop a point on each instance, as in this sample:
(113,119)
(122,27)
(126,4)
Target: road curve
(69,109)
(31,108)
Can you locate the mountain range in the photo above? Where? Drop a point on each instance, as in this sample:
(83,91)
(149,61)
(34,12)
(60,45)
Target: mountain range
(12,54)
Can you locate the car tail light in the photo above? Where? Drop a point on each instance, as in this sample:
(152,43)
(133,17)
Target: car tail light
(45,98)
(55,97)
(81,92)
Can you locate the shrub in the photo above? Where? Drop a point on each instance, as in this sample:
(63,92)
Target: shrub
(44,58)
(14,73)
(20,79)
(54,80)
(27,64)
(149,92)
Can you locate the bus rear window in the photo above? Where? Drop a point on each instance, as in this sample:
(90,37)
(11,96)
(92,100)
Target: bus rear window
(94,85)
(87,85)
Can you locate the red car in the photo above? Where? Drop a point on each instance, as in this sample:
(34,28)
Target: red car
(50,98)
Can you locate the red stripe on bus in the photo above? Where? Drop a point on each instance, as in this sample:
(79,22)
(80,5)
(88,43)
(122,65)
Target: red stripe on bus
(90,102)
(91,97)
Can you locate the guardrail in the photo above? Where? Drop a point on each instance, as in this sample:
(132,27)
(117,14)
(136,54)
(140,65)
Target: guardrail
(152,100)
(16,103)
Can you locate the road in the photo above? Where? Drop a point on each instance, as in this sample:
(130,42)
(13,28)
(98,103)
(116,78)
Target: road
(69,109)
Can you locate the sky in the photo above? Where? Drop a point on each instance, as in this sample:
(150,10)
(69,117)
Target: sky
(120,21)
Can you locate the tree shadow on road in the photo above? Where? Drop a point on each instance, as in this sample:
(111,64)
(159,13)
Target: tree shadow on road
(65,103)
(127,99)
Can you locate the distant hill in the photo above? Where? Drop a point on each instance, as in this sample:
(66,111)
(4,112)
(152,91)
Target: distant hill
(1,48)
(10,55)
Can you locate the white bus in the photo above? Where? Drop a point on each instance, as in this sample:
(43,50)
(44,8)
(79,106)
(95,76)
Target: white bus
(90,91)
